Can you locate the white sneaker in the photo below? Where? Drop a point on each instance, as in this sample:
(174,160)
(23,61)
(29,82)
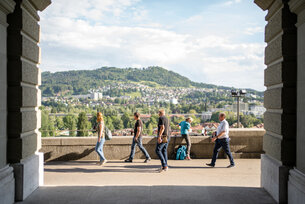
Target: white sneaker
(160,170)
(163,169)
(104,162)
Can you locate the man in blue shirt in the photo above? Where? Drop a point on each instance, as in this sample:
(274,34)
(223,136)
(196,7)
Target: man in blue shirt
(222,140)
(185,128)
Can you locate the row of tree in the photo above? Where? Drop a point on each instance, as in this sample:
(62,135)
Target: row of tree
(82,125)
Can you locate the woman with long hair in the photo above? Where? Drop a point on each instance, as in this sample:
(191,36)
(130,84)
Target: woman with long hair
(101,139)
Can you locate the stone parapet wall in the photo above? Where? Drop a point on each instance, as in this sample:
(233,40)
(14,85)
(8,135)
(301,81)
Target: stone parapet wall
(245,143)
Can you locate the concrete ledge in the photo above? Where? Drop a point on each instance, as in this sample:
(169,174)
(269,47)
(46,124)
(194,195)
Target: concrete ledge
(245,143)
(7,185)
(296,187)
(28,176)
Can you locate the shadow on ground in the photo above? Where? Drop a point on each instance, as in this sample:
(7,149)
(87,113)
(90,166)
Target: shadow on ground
(149,194)
(128,168)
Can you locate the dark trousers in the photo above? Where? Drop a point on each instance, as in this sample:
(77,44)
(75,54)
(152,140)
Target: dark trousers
(161,151)
(188,143)
(140,145)
(225,144)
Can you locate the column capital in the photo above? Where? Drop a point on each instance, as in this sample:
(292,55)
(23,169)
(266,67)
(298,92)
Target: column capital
(7,6)
(40,5)
(297,6)
(264,4)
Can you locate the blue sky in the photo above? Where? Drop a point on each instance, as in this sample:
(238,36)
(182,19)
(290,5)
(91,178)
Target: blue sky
(219,42)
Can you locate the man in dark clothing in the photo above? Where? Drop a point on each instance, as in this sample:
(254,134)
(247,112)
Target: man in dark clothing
(137,139)
(163,140)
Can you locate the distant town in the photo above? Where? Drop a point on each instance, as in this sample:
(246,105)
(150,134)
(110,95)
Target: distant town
(118,100)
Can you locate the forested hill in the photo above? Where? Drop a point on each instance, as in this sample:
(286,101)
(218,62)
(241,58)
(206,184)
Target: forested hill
(79,82)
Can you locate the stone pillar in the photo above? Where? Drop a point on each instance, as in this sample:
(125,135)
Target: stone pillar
(23,96)
(6,172)
(296,184)
(280,97)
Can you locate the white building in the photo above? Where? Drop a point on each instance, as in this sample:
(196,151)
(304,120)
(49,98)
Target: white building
(206,116)
(243,107)
(174,101)
(96,96)
(257,110)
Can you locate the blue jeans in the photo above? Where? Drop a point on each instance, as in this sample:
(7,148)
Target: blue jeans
(161,151)
(99,149)
(140,145)
(225,144)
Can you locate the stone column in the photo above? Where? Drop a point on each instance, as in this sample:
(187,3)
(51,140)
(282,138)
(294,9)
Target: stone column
(280,97)
(23,96)
(296,184)
(6,173)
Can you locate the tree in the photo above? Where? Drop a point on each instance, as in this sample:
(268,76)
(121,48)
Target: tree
(249,121)
(47,124)
(51,125)
(192,111)
(153,121)
(177,120)
(231,117)
(126,120)
(44,123)
(109,123)
(70,122)
(117,123)
(150,129)
(93,120)
(82,124)
(196,121)
(215,117)
(60,123)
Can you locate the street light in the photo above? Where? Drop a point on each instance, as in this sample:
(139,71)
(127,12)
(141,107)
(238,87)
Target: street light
(237,94)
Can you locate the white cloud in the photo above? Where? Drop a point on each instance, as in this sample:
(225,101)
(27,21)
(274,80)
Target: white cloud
(77,40)
(91,10)
(229,3)
(254,30)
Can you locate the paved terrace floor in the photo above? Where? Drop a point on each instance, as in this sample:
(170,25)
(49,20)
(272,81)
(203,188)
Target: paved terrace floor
(137,182)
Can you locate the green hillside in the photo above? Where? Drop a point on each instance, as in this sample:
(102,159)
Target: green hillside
(79,82)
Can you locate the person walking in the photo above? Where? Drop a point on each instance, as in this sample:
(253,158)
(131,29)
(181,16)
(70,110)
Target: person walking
(137,139)
(222,140)
(185,127)
(101,139)
(163,140)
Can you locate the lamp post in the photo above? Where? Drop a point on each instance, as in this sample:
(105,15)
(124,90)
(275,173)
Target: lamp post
(237,94)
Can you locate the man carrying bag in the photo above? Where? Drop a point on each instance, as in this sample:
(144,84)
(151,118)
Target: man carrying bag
(163,140)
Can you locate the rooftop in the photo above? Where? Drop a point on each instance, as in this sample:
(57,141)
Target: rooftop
(119,182)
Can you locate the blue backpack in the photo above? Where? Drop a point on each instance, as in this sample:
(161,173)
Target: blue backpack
(181,153)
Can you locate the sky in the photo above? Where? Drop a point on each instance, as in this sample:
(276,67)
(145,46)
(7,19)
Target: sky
(218,42)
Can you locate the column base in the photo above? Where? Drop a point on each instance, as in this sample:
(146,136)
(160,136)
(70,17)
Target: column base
(296,187)
(28,176)
(7,185)
(274,177)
